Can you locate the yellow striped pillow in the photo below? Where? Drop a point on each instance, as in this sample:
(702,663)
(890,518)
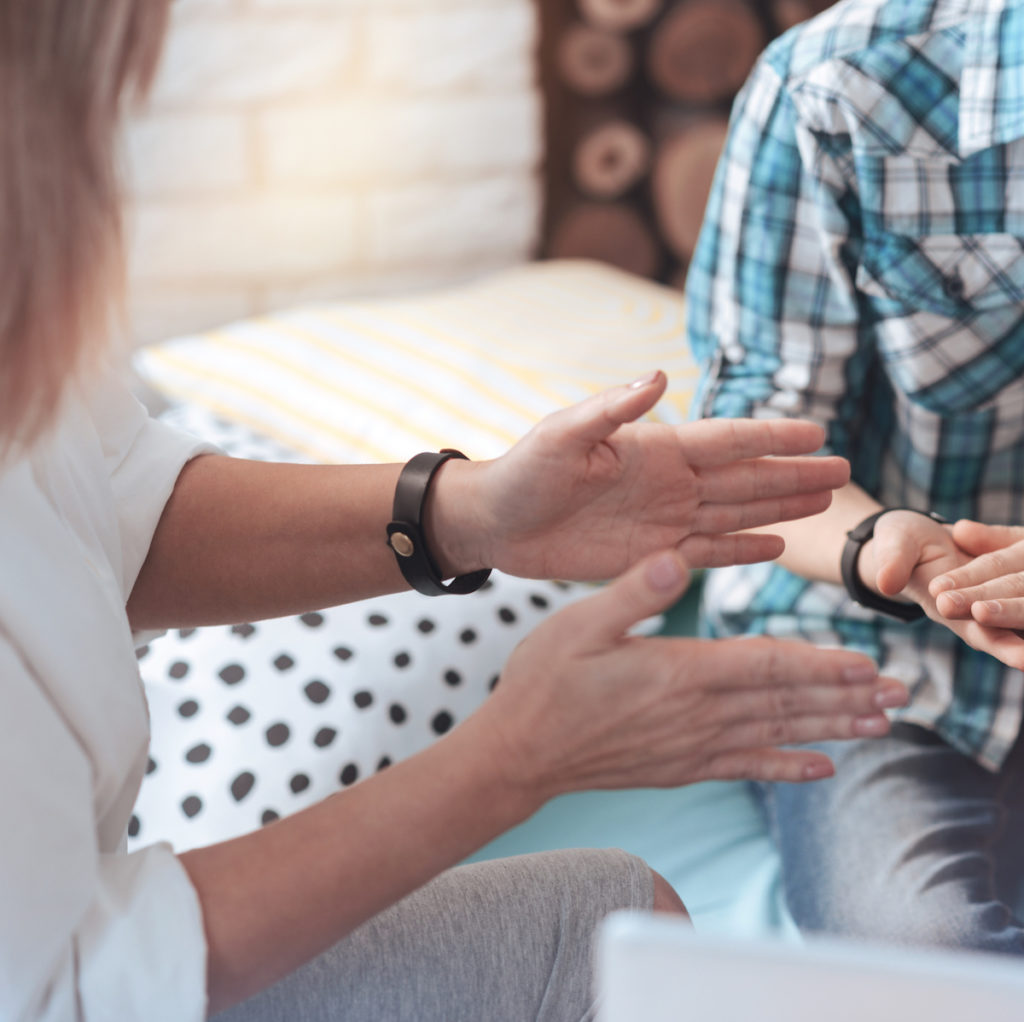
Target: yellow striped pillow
(472,367)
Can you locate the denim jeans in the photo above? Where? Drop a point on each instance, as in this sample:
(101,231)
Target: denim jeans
(910,842)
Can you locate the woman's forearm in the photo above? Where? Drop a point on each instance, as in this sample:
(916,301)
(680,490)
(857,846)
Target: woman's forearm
(274,899)
(243,540)
(582,496)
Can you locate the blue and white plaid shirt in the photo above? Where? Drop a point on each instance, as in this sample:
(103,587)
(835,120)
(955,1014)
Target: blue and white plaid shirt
(862,265)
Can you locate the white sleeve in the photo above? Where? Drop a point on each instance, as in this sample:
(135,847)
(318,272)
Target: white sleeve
(83,936)
(143,458)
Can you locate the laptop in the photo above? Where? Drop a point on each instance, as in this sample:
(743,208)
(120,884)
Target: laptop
(653,968)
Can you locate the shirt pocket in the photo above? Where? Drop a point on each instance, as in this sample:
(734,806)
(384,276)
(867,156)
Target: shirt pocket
(948,315)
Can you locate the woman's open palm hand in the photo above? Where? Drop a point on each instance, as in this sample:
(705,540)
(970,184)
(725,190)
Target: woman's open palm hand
(590,490)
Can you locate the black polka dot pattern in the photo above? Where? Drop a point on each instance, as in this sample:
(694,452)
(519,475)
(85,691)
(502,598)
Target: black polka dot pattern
(198,753)
(278,734)
(238,715)
(232,674)
(324,737)
(442,722)
(242,785)
(317,692)
(360,695)
(253,721)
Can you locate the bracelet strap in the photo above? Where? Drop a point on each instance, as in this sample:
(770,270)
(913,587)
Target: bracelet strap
(859,592)
(405,531)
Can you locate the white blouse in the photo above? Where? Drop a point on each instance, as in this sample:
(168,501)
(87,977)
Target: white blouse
(86,930)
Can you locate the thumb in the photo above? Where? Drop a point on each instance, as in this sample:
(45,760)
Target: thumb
(975,538)
(896,553)
(648,588)
(593,420)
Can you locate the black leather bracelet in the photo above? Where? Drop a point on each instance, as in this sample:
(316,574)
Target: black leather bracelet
(405,531)
(855,540)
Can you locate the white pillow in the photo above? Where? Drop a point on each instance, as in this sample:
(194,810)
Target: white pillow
(474,367)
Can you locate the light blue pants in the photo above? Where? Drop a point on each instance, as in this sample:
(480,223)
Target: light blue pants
(910,842)
(503,941)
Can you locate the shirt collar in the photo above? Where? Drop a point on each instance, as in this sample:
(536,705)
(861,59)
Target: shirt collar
(992,80)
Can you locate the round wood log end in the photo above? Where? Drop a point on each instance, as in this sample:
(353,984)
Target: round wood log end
(684,170)
(788,13)
(704,50)
(609,232)
(619,15)
(611,159)
(593,62)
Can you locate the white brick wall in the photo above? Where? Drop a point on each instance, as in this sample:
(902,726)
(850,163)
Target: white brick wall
(299,150)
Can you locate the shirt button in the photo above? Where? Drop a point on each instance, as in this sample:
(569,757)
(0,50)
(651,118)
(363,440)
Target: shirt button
(953,285)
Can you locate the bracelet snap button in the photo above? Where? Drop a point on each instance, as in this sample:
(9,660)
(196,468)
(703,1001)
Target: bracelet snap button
(402,544)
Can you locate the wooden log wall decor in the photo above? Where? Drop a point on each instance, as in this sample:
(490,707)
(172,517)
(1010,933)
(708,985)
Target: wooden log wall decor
(637,96)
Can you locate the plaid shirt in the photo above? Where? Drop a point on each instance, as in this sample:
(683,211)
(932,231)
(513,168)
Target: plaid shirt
(862,265)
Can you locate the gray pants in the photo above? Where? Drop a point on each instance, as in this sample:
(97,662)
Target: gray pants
(506,941)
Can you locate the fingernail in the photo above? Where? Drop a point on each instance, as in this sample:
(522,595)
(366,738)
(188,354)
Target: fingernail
(888,698)
(957,599)
(817,771)
(941,583)
(993,606)
(871,727)
(665,573)
(860,674)
(644,381)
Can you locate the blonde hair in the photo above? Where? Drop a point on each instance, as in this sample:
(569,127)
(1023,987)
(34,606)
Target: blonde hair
(66,67)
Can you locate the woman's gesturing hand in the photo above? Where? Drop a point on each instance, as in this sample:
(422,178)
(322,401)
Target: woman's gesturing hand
(582,704)
(589,490)
(911,555)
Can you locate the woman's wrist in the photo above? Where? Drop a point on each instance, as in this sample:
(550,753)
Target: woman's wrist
(452,519)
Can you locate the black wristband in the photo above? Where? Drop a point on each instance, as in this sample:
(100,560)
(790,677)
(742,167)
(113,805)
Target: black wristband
(856,538)
(405,531)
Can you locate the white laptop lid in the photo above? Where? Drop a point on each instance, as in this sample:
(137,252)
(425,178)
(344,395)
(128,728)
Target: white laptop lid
(656,969)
